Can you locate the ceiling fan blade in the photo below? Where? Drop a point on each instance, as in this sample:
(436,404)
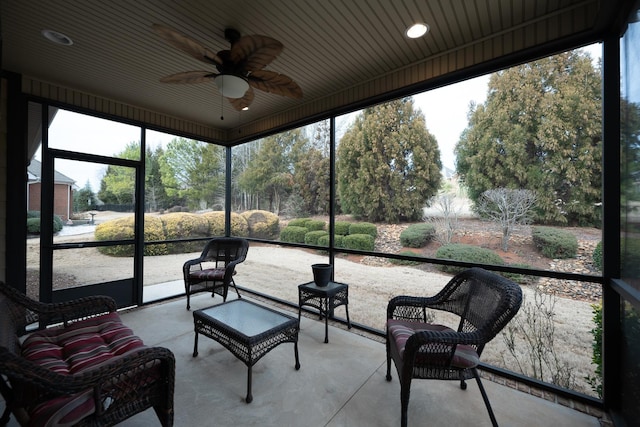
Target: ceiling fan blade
(270,81)
(255,52)
(245,101)
(189,77)
(187,44)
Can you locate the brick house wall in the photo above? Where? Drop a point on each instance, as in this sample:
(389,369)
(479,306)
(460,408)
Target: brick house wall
(62,199)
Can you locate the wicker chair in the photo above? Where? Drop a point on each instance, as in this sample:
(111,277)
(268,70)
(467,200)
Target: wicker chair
(213,271)
(485,302)
(77,364)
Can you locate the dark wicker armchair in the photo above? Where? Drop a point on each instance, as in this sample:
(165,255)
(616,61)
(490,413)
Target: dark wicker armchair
(75,363)
(485,303)
(213,271)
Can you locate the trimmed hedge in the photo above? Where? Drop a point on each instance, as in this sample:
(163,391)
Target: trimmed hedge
(239,226)
(555,243)
(298,222)
(338,241)
(315,225)
(293,234)
(404,261)
(33,223)
(311,238)
(262,224)
(180,225)
(363,228)
(122,228)
(362,242)
(467,253)
(342,227)
(417,235)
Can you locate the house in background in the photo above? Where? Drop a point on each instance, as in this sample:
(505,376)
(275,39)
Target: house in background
(62,191)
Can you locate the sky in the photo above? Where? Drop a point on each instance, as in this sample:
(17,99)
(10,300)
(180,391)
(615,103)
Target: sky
(445,110)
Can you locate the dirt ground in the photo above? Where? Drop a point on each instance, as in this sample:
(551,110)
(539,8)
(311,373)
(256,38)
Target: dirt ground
(372,282)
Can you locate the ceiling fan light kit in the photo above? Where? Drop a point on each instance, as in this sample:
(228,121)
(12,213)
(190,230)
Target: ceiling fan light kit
(231,86)
(240,69)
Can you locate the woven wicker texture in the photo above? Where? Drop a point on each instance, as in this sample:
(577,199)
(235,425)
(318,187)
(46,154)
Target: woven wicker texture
(213,270)
(119,388)
(485,302)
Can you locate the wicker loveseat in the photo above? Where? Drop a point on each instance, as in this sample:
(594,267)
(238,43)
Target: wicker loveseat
(76,363)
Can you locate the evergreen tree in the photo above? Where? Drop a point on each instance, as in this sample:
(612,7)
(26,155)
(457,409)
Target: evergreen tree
(388,164)
(84,199)
(154,192)
(269,174)
(540,130)
(118,184)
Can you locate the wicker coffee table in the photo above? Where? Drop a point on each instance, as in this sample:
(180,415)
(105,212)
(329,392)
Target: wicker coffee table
(247,330)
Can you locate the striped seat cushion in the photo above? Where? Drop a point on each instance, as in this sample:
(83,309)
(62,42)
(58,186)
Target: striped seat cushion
(72,350)
(465,356)
(208,274)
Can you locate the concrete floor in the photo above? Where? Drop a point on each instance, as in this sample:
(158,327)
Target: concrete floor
(341,383)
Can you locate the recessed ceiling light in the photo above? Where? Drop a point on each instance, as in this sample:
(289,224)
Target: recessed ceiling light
(57,38)
(417,30)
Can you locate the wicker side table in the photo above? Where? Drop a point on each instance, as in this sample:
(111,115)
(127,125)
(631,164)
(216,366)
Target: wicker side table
(247,330)
(325,299)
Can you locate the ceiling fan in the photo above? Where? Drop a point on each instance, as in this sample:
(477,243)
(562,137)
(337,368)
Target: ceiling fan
(239,69)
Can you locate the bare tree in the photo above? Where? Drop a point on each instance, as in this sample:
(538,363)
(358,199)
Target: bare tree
(508,208)
(446,222)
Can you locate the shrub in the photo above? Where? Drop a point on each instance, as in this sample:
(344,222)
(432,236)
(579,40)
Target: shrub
(123,229)
(293,234)
(597,256)
(338,241)
(33,223)
(555,243)
(239,226)
(404,261)
(315,224)
(466,253)
(417,235)
(311,238)
(596,381)
(299,222)
(362,242)
(57,224)
(342,227)
(181,225)
(262,224)
(363,228)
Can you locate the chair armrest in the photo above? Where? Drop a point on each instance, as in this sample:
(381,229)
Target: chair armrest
(53,383)
(411,308)
(50,313)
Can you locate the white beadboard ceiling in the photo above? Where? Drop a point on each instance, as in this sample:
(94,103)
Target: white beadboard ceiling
(341,53)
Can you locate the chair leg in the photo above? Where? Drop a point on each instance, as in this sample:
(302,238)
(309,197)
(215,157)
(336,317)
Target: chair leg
(485,398)
(388,361)
(233,282)
(405,390)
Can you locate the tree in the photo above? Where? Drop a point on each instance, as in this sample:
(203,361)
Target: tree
(507,208)
(269,174)
(388,164)
(118,184)
(540,129)
(193,173)
(84,198)
(154,192)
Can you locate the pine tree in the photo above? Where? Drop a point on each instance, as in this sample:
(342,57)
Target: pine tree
(540,130)
(388,164)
